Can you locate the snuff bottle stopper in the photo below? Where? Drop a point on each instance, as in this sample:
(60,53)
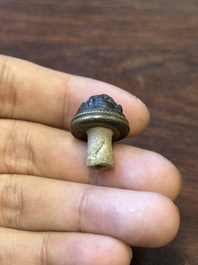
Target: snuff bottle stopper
(99,121)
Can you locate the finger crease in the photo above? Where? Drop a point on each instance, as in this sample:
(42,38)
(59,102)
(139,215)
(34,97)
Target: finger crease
(18,151)
(10,156)
(66,100)
(8,92)
(44,255)
(83,210)
(11,202)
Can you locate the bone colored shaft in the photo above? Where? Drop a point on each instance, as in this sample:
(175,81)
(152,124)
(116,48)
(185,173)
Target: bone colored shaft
(99,150)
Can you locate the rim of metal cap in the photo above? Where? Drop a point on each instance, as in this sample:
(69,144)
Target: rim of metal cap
(113,120)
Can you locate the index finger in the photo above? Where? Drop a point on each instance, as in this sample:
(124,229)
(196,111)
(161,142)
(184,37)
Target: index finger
(34,93)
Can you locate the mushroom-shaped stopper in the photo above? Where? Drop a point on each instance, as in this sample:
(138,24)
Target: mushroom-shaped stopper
(100,121)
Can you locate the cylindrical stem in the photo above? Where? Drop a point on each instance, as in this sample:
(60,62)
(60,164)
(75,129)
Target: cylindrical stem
(99,149)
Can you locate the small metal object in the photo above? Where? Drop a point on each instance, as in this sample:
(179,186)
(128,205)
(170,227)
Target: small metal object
(100,121)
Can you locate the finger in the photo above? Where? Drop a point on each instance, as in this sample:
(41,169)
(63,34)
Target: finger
(61,249)
(34,93)
(35,149)
(136,218)
(140,170)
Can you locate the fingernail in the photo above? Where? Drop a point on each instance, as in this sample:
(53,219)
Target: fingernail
(131,252)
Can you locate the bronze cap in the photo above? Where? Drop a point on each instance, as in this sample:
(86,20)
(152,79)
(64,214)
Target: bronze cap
(100,111)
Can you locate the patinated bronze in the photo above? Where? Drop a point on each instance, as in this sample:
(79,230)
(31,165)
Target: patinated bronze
(100,112)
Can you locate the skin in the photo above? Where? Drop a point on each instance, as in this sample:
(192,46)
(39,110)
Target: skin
(53,209)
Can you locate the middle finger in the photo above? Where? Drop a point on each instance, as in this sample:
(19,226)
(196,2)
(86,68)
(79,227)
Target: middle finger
(35,149)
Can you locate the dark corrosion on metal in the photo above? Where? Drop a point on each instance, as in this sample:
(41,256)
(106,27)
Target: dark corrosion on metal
(100,111)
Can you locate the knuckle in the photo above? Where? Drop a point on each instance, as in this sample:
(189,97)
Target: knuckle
(8,92)
(11,202)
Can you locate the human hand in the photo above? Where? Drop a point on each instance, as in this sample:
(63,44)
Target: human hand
(53,209)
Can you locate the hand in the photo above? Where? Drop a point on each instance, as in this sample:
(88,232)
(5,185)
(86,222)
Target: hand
(53,209)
